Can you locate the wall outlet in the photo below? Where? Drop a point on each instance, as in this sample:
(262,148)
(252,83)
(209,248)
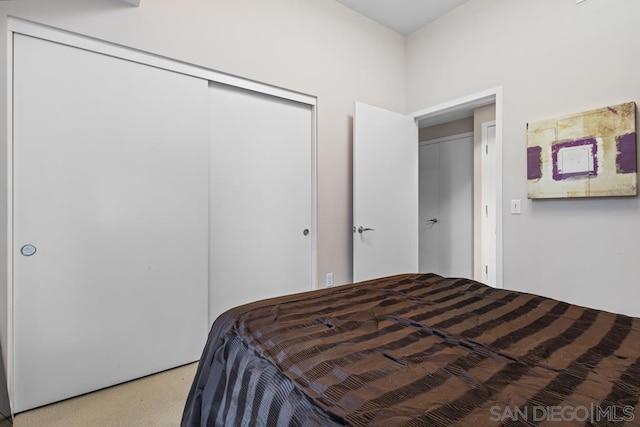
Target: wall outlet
(328,280)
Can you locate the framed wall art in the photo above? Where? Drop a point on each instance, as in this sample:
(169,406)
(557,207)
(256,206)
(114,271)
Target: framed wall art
(590,154)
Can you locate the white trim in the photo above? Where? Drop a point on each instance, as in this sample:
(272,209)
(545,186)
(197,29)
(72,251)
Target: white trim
(314,197)
(9,224)
(479,99)
(488,251)
(446,138)
(499,149)
(465,103)
(45,32)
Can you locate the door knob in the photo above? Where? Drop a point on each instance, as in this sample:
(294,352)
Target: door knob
(361,229)
(433,221)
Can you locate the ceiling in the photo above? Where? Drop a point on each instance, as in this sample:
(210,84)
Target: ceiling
(403,16)
(406,17)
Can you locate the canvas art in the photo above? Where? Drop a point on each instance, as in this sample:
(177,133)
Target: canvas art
(590,154)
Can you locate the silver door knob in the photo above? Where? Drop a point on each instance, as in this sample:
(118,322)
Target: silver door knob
(361,229)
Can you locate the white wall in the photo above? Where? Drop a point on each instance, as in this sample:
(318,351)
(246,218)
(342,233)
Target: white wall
(317,47)
(552,57)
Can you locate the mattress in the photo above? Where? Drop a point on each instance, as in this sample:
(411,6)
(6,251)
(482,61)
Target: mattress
(417,350)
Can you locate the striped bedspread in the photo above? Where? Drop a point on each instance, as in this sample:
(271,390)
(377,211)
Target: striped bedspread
(417,350)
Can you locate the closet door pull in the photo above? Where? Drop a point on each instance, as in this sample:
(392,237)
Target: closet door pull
(28,250)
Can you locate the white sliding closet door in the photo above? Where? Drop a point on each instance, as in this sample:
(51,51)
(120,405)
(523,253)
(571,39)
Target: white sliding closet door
(111,191)
(261,197)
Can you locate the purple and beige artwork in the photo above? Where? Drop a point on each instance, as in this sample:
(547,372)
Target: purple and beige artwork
(591,154)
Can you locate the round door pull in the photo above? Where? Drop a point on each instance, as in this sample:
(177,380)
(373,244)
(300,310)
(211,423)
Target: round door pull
(305,232)
(28,250)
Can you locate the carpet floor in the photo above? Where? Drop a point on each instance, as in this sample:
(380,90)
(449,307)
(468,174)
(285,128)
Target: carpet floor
(156,400)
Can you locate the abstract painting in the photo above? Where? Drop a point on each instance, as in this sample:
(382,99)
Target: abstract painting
(590,154)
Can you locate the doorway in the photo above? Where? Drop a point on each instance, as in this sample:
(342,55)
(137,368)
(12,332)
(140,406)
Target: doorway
(486,108)
(385,185)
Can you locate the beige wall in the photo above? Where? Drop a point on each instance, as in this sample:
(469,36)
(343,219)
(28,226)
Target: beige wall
(446,129)
(317,47)
(551,58)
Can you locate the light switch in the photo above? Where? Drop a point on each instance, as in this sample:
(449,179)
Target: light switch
(515,207)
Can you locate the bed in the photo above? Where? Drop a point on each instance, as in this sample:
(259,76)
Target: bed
(417,350)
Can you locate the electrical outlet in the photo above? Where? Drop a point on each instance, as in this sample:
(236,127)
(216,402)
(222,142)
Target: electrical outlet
(328,280)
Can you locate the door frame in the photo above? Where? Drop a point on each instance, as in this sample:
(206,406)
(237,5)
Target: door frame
(479,99)
(57,35)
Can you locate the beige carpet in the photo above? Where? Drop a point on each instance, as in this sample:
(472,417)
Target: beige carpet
(156,400)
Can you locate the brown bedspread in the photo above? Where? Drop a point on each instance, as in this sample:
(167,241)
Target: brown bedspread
(418,350)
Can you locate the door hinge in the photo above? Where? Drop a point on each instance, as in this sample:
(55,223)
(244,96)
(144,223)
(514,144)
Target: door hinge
(486,210)
(486,148)
(486,270)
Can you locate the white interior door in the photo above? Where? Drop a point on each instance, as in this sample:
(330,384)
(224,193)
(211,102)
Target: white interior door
(385,193)
(111,192)
(261,197)
(446,207)
(489,196)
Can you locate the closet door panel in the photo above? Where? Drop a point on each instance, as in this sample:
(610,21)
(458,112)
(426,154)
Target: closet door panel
(261,197)
(110,220)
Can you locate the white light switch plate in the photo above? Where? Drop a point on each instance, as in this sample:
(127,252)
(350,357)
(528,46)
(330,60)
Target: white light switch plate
(516,208)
